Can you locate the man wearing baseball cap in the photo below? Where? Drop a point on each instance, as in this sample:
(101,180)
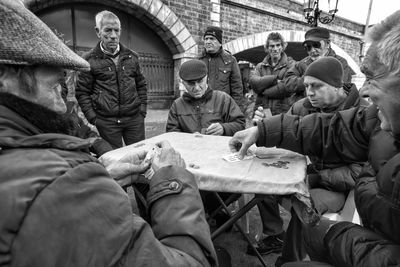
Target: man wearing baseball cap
(60,206)
(329,182)
(223,69)
(317,44)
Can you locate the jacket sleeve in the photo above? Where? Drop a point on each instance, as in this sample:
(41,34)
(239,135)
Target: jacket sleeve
(141,87)
(179,233)
(233,117)
(353,245)
(236,83)
(340,137)
(340,179)
(83,92)
(294,81)
(259,82)
(173,124)
(279,89)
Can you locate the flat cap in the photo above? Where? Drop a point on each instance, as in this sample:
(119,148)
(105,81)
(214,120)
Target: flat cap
(316,34)
(193,69)
(26,40)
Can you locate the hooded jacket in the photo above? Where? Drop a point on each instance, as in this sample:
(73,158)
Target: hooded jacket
(190,115)
(59,207)
(267,82)
(351,135)
(111,90)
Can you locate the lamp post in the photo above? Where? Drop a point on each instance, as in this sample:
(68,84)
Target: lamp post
(313,13)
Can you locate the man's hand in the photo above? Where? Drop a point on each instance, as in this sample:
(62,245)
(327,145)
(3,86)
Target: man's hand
(131,164)
(166,156)
(242,140)
(258,115)
(215,129)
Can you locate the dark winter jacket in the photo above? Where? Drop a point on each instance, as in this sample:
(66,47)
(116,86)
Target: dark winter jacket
(349,136)
(336,177)
(267,82)
(224,74)
(110,90)
(190,115)
(59,207)
(294,80)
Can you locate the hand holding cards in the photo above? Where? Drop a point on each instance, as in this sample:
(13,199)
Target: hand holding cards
(234,156)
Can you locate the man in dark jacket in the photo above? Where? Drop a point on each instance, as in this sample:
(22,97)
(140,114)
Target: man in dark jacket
(205,111)
(317,44)
(329,182)
(59,205)
(113,94)
(267,78)
(223,70)
(201,109)
(355,134)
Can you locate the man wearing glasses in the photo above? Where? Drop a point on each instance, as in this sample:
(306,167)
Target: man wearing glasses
(317,44)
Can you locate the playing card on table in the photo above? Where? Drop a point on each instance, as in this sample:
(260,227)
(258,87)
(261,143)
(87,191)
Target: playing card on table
(234,157)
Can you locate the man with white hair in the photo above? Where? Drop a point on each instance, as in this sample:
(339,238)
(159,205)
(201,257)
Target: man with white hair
(113,94)
(358,134)
(59,205)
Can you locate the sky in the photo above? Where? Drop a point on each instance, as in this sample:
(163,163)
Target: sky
(357,10)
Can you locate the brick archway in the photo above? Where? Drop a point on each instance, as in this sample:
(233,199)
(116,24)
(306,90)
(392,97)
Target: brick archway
(258,39)
(157,15)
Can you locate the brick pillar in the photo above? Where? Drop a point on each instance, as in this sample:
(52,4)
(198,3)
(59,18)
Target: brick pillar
(215,13)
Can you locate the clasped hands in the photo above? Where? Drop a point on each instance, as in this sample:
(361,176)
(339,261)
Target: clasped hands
(134,163)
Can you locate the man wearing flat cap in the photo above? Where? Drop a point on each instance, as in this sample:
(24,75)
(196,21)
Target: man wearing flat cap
(223,70)
(60,206)
(329,182)
(317,45)
(205,111)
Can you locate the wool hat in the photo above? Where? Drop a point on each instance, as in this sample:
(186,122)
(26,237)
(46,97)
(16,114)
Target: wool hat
(316,34)
(26,40)
(193,69)
(326,69)
(214,31)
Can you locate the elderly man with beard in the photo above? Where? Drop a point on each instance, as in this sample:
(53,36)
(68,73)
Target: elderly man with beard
(358,134)
(267,79)
(60,206)
(317,44)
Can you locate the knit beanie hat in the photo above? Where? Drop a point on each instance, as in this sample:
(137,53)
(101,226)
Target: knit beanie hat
(326,69)
(193,70)
(214,31)
(26,40)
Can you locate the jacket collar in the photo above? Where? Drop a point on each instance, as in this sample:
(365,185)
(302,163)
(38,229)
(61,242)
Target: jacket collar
(350,101)
(282,62)
(225,55)
(97,51)
(207,96)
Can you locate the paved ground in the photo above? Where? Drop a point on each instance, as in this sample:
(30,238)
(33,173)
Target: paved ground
(233,240)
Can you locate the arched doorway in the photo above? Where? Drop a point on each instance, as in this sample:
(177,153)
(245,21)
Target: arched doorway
(154,32)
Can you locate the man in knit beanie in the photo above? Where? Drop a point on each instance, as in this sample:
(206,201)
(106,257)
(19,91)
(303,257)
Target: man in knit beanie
(353,135)
(223,69)
(59,206)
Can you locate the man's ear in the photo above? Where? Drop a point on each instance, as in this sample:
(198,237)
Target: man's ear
(97,31)
(284,45)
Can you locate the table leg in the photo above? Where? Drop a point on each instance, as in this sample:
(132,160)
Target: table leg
(233,220)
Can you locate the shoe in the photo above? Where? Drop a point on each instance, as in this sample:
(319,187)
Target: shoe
(270,244)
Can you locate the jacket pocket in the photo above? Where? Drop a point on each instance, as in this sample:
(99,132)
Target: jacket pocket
(223,74)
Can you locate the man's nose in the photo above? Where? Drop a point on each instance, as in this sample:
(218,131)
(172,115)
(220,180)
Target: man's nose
(113,34)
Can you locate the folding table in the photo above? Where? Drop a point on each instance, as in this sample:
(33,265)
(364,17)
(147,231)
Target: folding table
(271,171)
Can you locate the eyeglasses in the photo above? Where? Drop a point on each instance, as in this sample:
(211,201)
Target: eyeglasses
(309,45)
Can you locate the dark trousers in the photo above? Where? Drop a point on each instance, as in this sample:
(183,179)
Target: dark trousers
(272,223)
(113,130)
